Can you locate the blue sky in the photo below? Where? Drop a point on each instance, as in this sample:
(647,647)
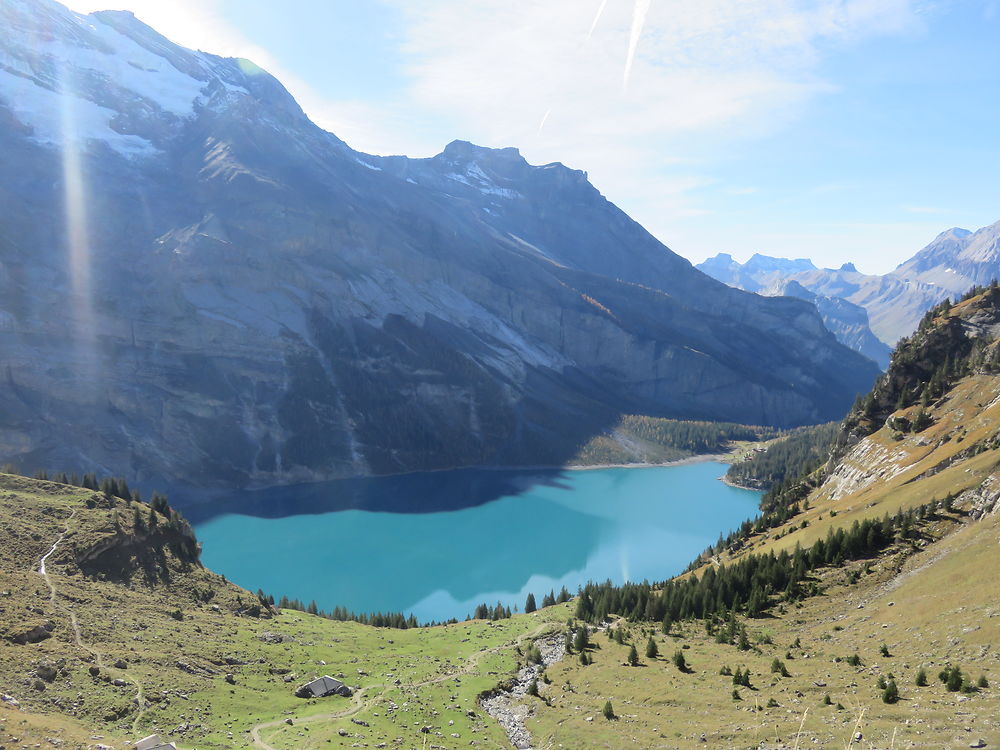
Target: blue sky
(840,130)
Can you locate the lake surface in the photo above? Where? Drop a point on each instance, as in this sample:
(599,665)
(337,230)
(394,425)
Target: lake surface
(489,535)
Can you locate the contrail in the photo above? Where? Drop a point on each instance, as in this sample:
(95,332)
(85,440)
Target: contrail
(638,21)
(544,118)
(600,12)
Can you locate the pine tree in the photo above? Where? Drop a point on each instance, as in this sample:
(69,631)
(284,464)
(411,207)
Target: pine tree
(921,677)
(679,661)
(891,693)
(529,604)
(651,650)
(533,688)
(633,657)
(582,639)
(608,711)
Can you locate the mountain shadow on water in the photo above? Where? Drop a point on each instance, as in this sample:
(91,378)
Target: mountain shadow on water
(421,492)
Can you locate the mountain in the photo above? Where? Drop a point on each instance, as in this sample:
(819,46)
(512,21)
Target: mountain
(846,320)
(198,284)
(954,261)
(781,277)
(756,273)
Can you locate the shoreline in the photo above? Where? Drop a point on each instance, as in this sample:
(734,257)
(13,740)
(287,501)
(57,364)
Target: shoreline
(725,480)
(697,459)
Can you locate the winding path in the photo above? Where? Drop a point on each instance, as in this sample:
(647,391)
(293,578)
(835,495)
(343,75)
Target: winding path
(140,699)
(358,705)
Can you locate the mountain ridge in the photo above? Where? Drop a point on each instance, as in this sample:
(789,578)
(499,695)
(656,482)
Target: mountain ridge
(256,303)
(951,263)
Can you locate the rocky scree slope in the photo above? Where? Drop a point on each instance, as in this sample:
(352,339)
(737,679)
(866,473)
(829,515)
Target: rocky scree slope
(199,285)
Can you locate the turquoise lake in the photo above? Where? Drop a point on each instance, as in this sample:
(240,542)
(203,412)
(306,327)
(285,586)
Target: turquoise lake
(485,535)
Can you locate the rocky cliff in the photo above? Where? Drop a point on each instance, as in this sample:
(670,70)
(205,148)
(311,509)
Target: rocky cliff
(199,284)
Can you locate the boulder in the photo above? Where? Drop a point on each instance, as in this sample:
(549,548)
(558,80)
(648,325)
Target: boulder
(32,633)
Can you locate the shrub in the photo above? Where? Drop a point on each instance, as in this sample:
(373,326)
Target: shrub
(921,677)
(651,650)
(952,678)
(891,693)
(608,711)
(679,661)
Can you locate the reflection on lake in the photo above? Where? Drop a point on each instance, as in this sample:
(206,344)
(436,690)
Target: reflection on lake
(486,535)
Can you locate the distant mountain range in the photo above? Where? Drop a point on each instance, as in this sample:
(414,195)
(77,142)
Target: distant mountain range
(868,312)
(198,284)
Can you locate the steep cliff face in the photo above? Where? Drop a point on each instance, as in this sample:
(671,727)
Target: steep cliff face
(845,320)
(199,284)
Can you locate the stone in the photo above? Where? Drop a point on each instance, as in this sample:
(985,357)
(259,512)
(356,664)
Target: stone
(33,633)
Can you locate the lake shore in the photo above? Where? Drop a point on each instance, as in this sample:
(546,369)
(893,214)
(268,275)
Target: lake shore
(699,459)
(736,485)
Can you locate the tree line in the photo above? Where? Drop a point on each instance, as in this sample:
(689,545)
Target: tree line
(693,436)
(751,585)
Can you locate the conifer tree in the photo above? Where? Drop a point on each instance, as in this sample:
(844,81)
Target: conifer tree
(679,661)
(891,693)
(633,657)
(529,604)
(651,650)
(608,711)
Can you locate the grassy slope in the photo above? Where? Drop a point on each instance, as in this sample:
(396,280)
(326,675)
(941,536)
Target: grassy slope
(935,606)
(441,670)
